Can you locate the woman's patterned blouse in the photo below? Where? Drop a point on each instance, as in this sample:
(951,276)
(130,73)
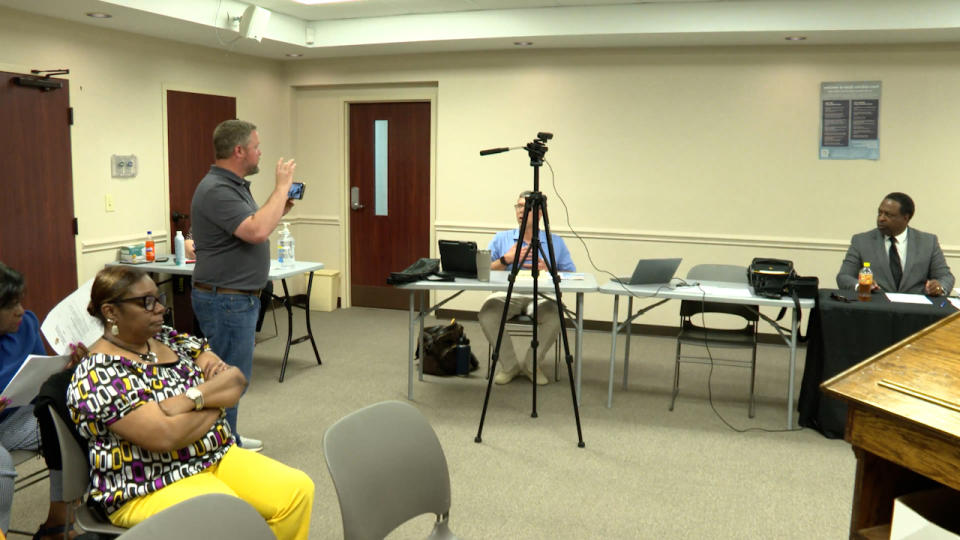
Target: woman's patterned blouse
(105,388)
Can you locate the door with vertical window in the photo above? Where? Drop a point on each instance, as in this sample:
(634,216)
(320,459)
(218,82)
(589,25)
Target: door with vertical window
(390,197)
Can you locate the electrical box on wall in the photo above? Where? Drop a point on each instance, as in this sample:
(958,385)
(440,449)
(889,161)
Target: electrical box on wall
(123,166)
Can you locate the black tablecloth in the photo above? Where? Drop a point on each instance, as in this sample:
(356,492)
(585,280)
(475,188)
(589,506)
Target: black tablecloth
(843,334)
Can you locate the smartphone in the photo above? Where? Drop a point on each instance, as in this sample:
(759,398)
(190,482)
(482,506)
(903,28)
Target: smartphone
(296,191)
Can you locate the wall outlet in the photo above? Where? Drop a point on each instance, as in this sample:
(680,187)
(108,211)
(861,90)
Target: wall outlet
(123,166)
(108,203)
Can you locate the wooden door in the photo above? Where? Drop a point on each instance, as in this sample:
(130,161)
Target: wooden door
(37,224)
(392,231)
(191,119)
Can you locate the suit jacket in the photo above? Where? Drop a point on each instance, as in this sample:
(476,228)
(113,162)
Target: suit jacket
(924,261)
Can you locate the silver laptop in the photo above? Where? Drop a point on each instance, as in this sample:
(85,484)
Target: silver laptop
(652,272)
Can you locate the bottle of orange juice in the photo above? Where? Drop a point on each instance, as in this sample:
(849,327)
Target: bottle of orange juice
(149,252)
(865,283)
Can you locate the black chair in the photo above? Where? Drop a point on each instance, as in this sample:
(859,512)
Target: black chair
(695,332)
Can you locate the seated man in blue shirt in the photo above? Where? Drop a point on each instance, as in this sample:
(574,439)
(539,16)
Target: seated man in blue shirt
(503,249)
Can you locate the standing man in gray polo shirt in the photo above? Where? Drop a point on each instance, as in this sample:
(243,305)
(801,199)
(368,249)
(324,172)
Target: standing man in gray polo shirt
(232,237)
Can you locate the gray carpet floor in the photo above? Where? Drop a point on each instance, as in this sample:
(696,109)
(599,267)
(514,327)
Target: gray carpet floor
(646,472)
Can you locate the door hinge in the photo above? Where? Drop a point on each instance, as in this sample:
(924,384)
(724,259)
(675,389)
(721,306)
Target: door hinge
(69,116)
(76,227)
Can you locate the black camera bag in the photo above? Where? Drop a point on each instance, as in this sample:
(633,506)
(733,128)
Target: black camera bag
(768,277)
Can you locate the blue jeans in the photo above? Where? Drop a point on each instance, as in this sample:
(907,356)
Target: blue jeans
(229,322)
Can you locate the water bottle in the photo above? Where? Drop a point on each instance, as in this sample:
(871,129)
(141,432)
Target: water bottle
(463,355)
(179,252)
(149,252)
(287,254)
(865,283)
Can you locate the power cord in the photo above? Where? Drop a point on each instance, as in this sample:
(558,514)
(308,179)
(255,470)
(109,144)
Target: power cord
(681,282)
(706,344)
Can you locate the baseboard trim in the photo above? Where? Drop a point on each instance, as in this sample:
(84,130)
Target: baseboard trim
(605,326)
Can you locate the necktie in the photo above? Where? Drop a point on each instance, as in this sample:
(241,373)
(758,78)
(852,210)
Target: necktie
(895,267)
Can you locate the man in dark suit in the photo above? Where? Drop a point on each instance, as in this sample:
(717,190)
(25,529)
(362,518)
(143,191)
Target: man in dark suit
(902,258)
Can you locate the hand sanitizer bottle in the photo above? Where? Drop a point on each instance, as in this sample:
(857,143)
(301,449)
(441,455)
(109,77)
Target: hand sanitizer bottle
(286,247)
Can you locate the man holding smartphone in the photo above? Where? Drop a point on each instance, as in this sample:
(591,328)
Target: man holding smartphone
(233,247)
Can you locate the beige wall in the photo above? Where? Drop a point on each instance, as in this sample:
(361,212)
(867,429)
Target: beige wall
(118,83)
(709,154)
(706,154)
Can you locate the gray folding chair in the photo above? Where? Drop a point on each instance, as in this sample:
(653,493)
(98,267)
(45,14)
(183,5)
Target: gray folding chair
(387,467)
(76,479)
(694,333)
(204,518)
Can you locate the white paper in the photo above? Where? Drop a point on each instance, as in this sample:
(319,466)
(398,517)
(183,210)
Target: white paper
(68,322)
(572,276)
(908,298)
(31,376)
(726,291)
(955,302)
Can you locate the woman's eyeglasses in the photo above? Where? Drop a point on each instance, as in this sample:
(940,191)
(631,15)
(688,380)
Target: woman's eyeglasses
(149,302)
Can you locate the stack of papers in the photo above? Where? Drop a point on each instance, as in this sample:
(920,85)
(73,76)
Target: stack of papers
(68,322)
(32,373)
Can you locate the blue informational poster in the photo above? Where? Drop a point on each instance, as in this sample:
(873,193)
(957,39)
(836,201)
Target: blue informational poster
(850,120)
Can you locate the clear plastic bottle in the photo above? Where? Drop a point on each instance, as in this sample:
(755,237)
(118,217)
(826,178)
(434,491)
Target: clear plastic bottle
(179,253)
(865,283)
(149,251)
(286,247)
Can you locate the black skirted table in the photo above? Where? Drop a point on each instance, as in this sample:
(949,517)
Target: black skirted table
(842,334)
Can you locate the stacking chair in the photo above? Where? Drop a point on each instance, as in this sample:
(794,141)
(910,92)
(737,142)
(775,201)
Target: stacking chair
(76,479)
(387,467)
(694,333)
(522,325)
(206,517)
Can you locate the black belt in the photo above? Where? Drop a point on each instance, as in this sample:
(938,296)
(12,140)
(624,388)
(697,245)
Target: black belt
(223,290)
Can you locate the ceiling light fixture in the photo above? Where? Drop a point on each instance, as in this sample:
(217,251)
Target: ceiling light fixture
(98,15)
(795,38)
(294,55)
(523,43)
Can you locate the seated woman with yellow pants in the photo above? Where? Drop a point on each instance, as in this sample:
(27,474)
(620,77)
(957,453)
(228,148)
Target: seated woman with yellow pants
(150,402)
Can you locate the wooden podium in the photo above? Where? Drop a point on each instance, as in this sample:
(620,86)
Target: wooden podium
(903,422)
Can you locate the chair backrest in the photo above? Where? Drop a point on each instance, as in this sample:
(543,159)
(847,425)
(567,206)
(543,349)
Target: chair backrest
(76,467)
(214,515)
(719,272)
(387,467)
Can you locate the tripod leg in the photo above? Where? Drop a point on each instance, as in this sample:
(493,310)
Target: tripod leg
(503,321)
(561,312)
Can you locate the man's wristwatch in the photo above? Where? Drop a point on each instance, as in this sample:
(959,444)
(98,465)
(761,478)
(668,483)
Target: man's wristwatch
(196,395)
(503,261)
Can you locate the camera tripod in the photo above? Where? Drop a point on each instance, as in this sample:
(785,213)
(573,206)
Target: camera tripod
(534,207)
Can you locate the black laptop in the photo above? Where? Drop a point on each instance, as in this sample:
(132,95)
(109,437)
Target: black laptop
(458,258)
(652,272)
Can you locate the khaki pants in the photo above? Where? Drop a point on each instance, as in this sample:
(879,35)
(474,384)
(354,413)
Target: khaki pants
(549,325)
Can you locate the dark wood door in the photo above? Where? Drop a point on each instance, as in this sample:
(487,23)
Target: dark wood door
(191,119)
(390,234)
(36,208)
